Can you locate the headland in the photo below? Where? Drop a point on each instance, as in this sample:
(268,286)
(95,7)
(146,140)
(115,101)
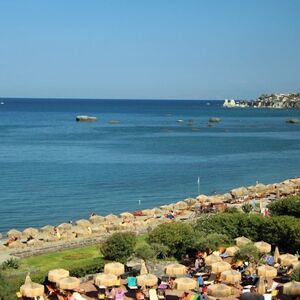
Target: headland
(281,101)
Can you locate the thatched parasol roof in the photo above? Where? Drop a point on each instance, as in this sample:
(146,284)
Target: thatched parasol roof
(276,255)
(175,269)
(14,233)
(56,274)
(287,259)
(114,268)
(240,241)
(83,223)
(266,271)
(232,250)
(106,279)
(219,267)
(185,283)
(68,283)
(263,247)
(31,289)
(219,290)
(211,259)
(231,276)
(147,280)
(30,232)
(261,286)
(292,288)
(95,219)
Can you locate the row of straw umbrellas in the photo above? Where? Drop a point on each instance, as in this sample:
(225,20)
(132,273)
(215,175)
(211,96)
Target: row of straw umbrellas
(113,270)
(64,281)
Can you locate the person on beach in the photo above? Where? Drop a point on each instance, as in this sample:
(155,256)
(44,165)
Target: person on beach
(171,215)
(139,295)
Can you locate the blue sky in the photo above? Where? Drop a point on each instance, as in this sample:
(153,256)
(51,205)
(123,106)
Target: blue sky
(149,49)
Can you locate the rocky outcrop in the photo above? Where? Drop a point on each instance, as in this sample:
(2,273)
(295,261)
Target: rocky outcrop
(214,120)
(293,121)
(283,101)
(86,119)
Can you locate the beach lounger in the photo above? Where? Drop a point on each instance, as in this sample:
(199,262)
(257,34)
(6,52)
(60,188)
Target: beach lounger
(153,294)
(132,283)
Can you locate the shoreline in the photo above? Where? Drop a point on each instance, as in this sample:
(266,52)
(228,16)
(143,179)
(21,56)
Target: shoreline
(33,241)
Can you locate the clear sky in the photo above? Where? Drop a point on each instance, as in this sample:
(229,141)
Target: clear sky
(150,49)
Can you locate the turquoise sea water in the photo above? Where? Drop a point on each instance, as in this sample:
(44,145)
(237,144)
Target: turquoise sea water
(53,169)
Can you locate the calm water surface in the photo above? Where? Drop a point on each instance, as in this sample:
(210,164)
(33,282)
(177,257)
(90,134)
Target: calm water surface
(53,169)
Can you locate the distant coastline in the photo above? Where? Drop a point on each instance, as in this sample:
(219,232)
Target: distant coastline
(280,101)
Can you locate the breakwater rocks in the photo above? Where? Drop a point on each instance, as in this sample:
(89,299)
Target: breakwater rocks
(283,101)
(82,232)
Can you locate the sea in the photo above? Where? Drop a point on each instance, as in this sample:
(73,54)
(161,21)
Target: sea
(54,169)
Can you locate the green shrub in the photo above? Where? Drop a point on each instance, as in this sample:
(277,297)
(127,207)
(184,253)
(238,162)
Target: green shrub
(247,207)
(281,231)
(145,252)
(289,207)
(231,210)
(12,263)
(119,246)
(161,251)
(177,237)
(247,252)
(211,241)
(296,274)
(9,286)
(91,268)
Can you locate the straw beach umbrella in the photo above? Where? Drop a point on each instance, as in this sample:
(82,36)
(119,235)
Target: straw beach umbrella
(276,255)
(111,218)
(114,268)
(143,270)
(30,232)
(83,223)
(287,259)
(14,233)
(261,286)
(31,289)
(147,280)
(231,276)
(211,259)
(106,279)
(48,229)
(239,192)
(68,283)
(127,215)
(240,241)
(185,283)
(56,274)
(219,267)
(219,290)
(292,288)
(175,269)
(95,219)
(232,250)
(263,247)
(266,271)
(181,205)
(296,264)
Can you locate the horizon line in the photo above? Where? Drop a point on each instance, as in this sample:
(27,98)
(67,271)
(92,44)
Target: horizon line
(109,99)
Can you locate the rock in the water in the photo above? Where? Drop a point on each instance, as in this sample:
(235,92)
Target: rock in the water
(214,120)
(293,121)
(86,119)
